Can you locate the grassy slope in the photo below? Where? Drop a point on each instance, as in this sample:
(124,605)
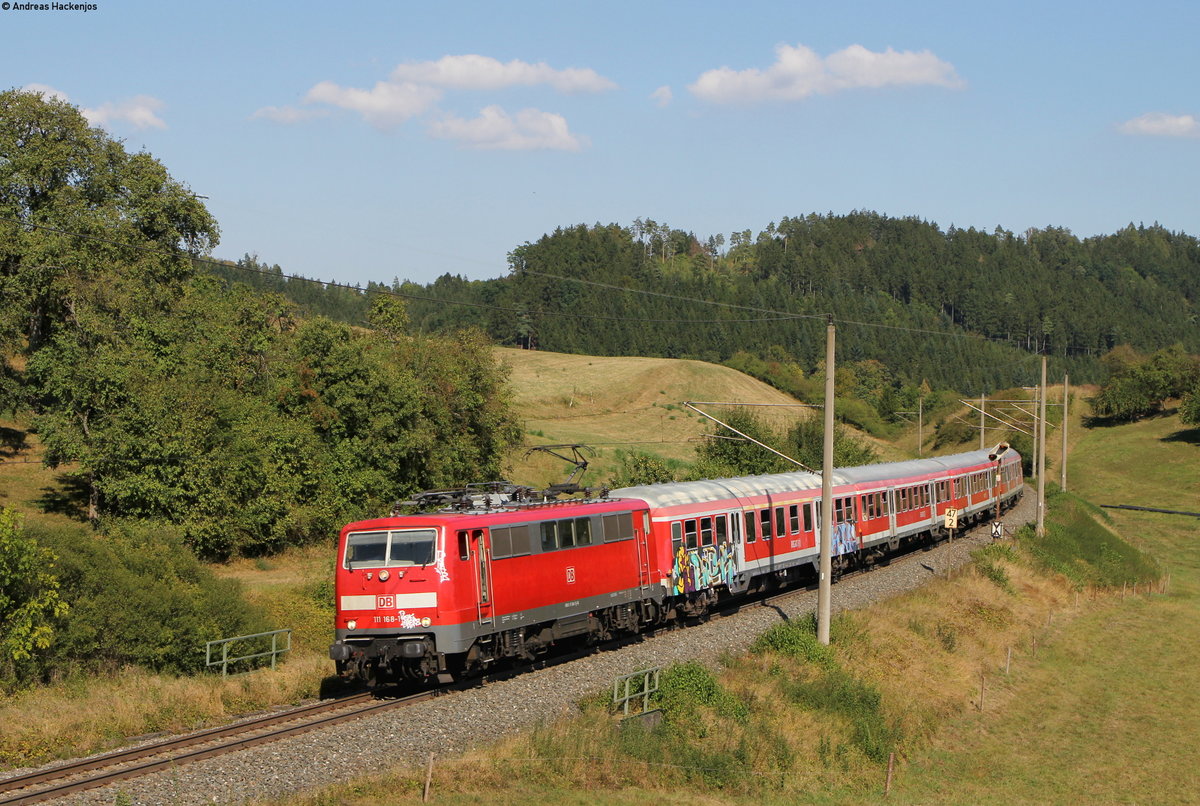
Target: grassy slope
(1108,714)
(627,404)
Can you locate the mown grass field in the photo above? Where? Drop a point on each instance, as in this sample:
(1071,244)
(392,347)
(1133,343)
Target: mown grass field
(1110,711)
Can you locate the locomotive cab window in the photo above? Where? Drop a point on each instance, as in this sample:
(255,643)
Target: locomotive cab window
(381,549)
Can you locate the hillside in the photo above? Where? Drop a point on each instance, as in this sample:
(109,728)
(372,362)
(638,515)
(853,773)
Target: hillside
(626,404)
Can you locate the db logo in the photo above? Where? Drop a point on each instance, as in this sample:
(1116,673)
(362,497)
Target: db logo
(385,602)
(570,575)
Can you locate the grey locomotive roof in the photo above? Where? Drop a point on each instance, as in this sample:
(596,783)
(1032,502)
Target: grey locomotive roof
(696,492)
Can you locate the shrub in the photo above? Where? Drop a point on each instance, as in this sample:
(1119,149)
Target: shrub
(138,596)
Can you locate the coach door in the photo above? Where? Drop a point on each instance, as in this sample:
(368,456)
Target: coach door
(483,574)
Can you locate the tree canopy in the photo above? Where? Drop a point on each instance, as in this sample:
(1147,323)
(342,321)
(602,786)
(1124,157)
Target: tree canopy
(185,399)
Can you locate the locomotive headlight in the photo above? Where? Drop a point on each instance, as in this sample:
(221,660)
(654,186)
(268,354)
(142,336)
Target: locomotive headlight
(425,622)
(384,576)
(351,625)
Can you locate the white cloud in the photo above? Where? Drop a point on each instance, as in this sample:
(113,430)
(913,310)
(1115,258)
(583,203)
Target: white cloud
(1160,124)
(140,110)
(799,72)
(662,96)
(528,130)
(415,90)
(47,90)
(289,114)
(384,106)
(474,72)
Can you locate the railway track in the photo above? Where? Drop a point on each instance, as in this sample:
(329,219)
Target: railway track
(96,771)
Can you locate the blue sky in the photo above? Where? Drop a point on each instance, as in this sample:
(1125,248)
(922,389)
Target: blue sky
(376,140)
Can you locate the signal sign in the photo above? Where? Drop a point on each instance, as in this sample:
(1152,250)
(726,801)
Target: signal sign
(951,521)
(997,530)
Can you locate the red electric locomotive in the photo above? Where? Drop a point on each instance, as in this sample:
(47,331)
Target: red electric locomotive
(496,573)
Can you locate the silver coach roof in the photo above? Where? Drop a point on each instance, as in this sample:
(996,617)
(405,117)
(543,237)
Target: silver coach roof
(697,492)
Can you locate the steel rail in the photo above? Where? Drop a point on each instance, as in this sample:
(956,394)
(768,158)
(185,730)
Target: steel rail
(126,757)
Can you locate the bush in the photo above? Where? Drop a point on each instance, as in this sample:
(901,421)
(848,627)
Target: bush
(638,468)
(684,687)
(30,601)
(796,639)
(138,596)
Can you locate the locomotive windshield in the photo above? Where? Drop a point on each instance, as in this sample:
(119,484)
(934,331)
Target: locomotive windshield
(380,549)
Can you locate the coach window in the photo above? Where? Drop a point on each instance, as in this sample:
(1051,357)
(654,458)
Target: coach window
(751,534)
(808,522)
(837,510)
(764,523)
(719,522)
(706,532)
(689,533)
(780,522)
(794,519)
(676,536)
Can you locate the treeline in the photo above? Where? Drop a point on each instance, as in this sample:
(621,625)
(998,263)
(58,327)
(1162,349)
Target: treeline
(896,286)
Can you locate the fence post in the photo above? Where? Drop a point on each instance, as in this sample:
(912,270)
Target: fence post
(428,779)
(887,785)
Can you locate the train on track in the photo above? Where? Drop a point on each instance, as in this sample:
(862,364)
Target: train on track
(497,572)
